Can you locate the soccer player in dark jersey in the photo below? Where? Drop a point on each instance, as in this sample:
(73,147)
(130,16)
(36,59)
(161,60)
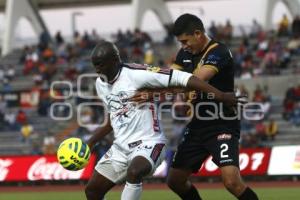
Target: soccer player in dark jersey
(206,134)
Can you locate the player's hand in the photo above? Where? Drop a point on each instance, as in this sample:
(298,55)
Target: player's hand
(141,97)
(230,99)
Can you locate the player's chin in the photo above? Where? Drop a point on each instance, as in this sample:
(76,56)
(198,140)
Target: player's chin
(194,52)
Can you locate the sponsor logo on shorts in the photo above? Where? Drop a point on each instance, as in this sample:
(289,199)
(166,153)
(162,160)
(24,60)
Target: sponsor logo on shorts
(134,144)
(108,154)
(224,136)
(226,161)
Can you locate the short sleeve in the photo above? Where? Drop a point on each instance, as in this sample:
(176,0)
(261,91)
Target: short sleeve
(217,58)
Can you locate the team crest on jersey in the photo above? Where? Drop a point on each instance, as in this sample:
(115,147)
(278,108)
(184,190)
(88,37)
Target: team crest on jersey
(153,68)
(120,108)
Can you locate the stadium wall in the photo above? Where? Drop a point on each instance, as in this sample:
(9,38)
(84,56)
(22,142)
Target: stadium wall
(278,160)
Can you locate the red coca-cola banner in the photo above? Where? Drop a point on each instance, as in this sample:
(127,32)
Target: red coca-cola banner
(252,162)
(33,168)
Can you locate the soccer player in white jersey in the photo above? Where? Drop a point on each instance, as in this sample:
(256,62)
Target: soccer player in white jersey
(139,143)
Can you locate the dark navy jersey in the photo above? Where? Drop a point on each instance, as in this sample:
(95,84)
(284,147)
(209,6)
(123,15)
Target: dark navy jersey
(217,57)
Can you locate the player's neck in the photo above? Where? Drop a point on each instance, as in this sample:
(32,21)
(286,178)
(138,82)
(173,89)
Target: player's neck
(114,75)
(205,43)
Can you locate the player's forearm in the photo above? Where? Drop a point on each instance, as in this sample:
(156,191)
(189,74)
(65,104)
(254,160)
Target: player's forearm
(162,92)
(190,81)
(99,134)
(195,83)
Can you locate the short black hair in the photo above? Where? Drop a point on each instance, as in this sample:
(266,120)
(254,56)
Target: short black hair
(188,24)
(103,52)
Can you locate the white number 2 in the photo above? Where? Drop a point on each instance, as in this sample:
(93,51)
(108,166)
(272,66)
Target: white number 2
(224,148)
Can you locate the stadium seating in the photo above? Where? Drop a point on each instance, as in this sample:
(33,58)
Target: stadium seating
(277,81)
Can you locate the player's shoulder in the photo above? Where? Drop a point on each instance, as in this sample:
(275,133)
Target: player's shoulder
(100,82)
(134,66)
(219,49)
(144,67)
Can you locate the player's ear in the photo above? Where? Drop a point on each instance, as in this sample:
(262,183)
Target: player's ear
(198,34)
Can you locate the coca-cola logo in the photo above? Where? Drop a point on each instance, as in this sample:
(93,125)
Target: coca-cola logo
(42,169)
(4,164)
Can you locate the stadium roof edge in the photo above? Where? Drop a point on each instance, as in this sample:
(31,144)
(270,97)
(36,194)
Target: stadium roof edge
(52,4)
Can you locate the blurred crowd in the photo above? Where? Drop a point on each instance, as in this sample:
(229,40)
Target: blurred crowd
(256,53)
(291,105)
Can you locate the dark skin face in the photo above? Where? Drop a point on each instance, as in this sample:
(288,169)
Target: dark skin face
(109,69)
(106,60)
(193,43)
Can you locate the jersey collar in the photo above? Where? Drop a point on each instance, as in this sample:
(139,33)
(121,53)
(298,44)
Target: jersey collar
(116,77)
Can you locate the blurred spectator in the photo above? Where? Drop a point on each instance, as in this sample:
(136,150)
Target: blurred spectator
(44,40)
(149,54)
(9,72)
(295,116)
(3,105)
(61,111)
(2,74)
(294,45)
(6,86)
(49,144)
(243,90)
(261,131)
(77,38)
(10,119)
(296,26)
(44,103)
(124,54)
(36,149)
(255,29)
(227,31)
(213,30)
(137,54)
(289,105)
(95,38)
(21,117)
(31,60)
(85,41)
(246,126)
(283,28)
(26,131)
(248,140)
(258,94)
(81,65)
(48,55)
(59,39)
(272,129)
(297,93)
(71,72)
(169,39)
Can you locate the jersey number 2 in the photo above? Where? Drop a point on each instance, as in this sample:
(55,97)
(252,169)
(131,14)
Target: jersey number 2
(224,148)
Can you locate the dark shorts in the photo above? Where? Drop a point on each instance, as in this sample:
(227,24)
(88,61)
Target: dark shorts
(198,145)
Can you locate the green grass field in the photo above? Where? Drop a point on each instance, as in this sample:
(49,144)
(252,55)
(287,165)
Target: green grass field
(207,194)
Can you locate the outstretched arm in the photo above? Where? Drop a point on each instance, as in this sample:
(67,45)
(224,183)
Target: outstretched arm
(148,94)
(229,98)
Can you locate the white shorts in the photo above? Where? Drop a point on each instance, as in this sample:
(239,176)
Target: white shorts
(114,164)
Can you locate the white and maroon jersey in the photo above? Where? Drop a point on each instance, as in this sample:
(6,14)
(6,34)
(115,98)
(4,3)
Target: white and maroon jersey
(131,124)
